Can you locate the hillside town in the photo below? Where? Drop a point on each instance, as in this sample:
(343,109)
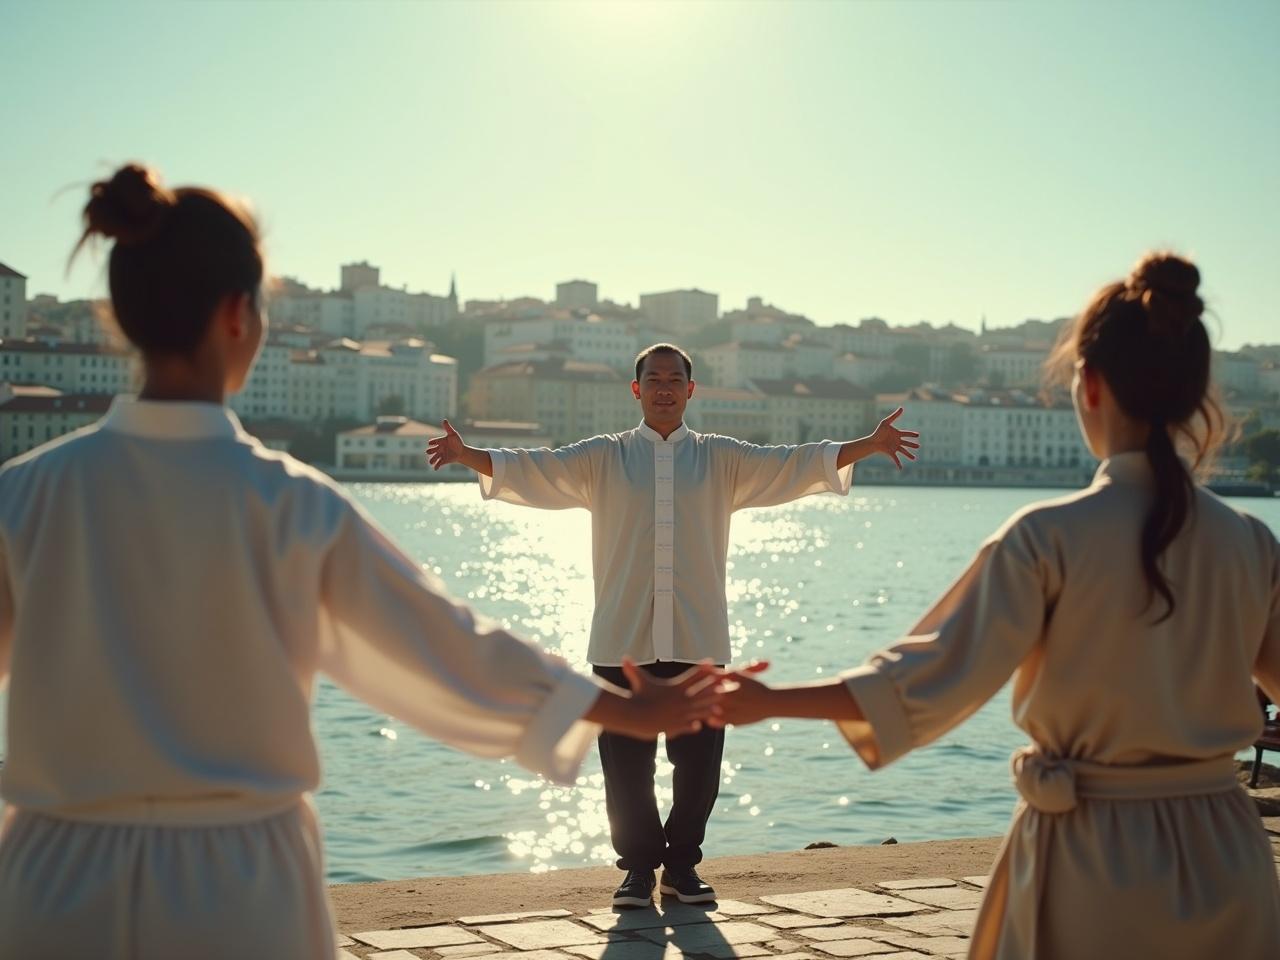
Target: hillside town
(356,379)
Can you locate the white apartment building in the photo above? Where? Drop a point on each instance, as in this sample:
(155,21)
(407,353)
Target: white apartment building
(1237,372)
(577,295)
(1269,379)
(859,369)
(736,364)
(801,411)
(571,399)
(1006,428)
(31,416)
(1010,367)
(330,313)
(939,417)
(13,303)
(870,338)
(733,412)
(69,367)
(592,339)
(349,379)
(266,393)
(681,311)
(810,357)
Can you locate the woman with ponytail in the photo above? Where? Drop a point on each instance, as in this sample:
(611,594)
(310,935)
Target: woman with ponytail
(1133,617)
(169,589)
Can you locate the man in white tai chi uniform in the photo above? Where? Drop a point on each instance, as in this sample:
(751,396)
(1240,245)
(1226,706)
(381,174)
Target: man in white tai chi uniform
(660,498)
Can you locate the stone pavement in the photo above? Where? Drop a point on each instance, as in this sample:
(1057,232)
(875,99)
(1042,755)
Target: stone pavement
(897,920)
(913,919)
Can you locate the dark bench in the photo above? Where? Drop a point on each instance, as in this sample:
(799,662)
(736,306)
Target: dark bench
(1270,739)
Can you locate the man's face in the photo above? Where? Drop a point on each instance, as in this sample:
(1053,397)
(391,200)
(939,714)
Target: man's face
(663,389)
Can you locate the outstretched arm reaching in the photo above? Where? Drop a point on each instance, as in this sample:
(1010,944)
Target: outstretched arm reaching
(450,449)
(886,439)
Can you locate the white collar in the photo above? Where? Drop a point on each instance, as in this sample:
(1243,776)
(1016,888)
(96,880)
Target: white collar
(678,434)
(171,420)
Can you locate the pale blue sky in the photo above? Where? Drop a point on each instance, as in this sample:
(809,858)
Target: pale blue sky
(914,161)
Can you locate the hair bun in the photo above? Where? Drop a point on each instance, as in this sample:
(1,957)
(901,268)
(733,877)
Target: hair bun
(1168,286)
(130,207)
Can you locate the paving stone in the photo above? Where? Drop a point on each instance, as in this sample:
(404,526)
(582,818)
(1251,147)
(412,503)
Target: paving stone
(539,955)
(783,946)
(795,956)
(839,933)
(626,950)
(541,934)
(903,955)
(793,921)
(949,898)
(692,938)
(854,948)
(513,917)
(392,955)
(941,946)
(919,883)
(947,923)
(977,881)
(647,918)
(344,941)
(736,908)
(440,935)
(849,902)
(348,955)
(731,951)
(468,950)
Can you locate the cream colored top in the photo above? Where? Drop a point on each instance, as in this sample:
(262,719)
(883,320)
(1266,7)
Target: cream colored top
(169,589)
(660,513)
(1056,599)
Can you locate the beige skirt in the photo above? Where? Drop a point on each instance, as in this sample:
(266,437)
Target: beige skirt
(72,888)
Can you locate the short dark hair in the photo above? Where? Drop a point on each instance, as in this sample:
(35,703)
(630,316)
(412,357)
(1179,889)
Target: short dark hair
(669,348)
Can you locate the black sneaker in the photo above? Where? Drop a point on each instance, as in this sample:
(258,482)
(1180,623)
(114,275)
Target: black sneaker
(687,886)
(636,890)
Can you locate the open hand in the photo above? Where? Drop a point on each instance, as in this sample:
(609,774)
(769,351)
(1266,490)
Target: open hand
(676,706)
(446,449)
(895,443)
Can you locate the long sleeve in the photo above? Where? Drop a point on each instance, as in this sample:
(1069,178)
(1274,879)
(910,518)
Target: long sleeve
(401,645)
(6,616)
(957,656)
(769,475)
(1266,669)
(551,479)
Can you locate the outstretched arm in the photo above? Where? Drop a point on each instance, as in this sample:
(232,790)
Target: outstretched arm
(886,439)
(450,449)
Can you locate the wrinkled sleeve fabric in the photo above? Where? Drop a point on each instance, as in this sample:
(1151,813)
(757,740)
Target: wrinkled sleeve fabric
(764,476)
(6,616)
(955,659)
(558,479)
(1266,669)
(394,639)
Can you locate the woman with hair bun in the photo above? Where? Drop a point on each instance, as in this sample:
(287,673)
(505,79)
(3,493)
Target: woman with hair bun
(1134,617)
(169,589)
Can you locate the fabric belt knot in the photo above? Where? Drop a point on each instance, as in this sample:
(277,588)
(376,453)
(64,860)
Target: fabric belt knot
(1047,782)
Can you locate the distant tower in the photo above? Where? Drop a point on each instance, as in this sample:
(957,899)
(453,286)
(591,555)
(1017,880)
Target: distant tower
(984,324)
(453,293)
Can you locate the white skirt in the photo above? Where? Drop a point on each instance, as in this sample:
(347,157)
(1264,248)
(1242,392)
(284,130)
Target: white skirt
(71,889)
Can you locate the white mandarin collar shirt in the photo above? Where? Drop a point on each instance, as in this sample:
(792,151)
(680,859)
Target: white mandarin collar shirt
(660,512)
(169,589)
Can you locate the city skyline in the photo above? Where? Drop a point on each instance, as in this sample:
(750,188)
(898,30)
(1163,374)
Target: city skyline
(913,162)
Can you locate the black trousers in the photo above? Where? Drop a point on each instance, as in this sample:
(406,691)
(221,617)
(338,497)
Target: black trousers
(640,838)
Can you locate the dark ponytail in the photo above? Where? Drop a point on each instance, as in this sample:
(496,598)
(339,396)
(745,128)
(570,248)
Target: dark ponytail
(177,255)
(1147,339)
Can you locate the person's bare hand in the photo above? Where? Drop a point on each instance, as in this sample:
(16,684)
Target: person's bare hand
(446,449)
(676,706)
(746,699)
(895,443)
